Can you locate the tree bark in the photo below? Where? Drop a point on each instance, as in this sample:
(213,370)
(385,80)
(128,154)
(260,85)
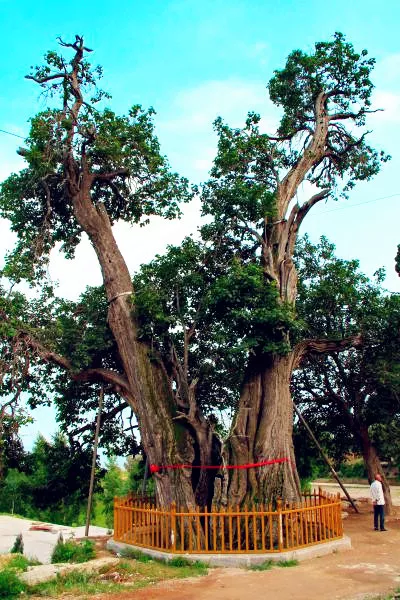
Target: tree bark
(264,421)
(165,440)
(374,466)
(262,430)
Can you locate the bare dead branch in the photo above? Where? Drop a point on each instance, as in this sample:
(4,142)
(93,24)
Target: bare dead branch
(77,45)
(42,80)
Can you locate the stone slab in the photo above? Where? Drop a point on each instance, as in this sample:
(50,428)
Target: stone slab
(38,544)
(41,573)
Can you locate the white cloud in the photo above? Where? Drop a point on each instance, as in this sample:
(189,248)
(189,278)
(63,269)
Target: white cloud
(387,72)
(198,107)
(187,134)
(257,49)
(389,102)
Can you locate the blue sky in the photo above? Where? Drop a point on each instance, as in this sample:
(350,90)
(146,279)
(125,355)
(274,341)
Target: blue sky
(193,61)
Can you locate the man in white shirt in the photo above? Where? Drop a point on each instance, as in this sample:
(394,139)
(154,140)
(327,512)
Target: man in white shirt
(378,500)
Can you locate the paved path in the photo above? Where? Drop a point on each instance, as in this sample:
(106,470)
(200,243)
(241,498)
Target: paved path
(38,544)
(356,490)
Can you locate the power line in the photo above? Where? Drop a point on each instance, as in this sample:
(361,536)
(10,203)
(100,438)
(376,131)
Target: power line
(313,214)
(353,205)
(14,134)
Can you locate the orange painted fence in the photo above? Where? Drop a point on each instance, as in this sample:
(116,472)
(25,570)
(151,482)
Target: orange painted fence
(258,529)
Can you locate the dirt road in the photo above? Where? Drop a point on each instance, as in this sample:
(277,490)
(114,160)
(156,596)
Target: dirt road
(370,569)
(357,490)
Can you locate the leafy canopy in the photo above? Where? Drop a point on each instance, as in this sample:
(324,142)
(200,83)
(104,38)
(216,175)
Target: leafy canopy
(129,175)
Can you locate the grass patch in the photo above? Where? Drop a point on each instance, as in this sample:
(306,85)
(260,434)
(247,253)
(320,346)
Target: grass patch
(129,574)
(180,561)
(135,555)
(287,563)
(176,562)
(268,564)
(72,551)
(76,583)
(265,566)
(19,562)
(10,584)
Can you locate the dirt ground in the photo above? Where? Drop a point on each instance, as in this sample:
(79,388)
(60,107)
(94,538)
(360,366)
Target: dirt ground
(369,570)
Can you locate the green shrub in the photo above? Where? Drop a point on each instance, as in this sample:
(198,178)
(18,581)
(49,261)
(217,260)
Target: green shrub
(18,562)
(306,485)
(354,470)
(179,561)
(135,554)
(10,584)
(18,547)
(265,566)
(287,563)
(73,552)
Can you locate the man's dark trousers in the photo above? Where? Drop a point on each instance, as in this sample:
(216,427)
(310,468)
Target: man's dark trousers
(379,513)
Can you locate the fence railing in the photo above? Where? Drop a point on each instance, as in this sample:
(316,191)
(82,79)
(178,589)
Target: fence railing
(258,529)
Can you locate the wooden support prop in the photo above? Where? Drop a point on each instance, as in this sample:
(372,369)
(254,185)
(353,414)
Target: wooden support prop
(96,442)
(324,456)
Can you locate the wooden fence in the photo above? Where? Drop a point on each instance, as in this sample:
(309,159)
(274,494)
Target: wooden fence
(258,529)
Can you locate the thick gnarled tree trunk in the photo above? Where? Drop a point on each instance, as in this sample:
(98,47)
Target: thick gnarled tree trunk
(165,440)
(262,431)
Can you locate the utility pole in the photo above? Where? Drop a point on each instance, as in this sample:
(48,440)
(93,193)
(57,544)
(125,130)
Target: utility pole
(324,456)
(96,442)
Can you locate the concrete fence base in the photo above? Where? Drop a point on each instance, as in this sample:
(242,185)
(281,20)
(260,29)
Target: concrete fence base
(240,560)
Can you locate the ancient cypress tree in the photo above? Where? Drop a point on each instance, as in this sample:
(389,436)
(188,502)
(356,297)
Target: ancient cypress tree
(255,196)
(88,168)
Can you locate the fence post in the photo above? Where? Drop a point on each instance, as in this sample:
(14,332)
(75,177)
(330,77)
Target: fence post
(115,515)
(173,526)
(280,528)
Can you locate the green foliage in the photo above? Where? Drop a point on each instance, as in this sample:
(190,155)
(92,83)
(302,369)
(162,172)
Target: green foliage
(75,582)
(204,307)
(386,439)
(355,470)
(135,554)
(309,462)
(176,297)
(340,393)
(19,562)
(18,547)
(15,492)
(397,260)
(142,184)
(54,484)
(139,480)
(336,70)
(264,566)
(114,483)
(72,551)
(134,575)
(60,478)
(10,585)
(269,564)
(287,563)
(179,561)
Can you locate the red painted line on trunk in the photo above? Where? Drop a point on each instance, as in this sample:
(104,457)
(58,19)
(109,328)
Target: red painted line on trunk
(263,463)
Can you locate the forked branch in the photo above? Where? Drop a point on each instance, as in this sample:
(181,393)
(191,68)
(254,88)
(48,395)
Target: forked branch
(323,346)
